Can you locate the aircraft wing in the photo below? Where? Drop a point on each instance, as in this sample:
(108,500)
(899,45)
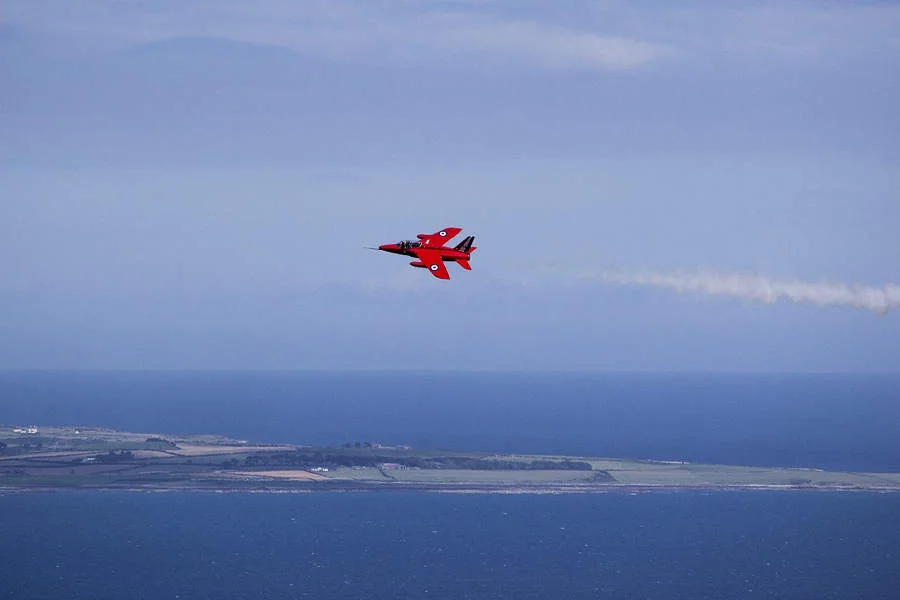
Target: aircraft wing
(436,240)
(433,263)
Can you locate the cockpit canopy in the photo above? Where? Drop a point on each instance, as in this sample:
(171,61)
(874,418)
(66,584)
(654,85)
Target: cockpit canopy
(407,244)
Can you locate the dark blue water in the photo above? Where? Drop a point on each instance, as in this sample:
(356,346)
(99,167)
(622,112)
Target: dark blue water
(405,545)
(688,545)
(843,422)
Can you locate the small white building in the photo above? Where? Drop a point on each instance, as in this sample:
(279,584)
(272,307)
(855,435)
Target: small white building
(389,466)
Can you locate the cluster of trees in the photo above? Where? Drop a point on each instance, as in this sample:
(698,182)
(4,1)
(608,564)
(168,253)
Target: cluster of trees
(309,460)
(163,442)
(306,459)
(112,456)
(800,481)
(20,447)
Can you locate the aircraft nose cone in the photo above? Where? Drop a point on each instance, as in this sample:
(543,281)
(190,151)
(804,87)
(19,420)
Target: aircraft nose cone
(386,246)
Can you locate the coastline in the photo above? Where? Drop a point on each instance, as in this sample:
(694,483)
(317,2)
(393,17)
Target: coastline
(47,459)
(631,490)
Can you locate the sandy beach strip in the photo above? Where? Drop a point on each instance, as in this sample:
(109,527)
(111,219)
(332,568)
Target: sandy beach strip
(291,475)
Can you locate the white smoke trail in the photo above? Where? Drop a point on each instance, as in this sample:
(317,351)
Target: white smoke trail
(764,289)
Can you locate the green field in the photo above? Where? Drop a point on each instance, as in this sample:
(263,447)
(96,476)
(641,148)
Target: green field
(91,458)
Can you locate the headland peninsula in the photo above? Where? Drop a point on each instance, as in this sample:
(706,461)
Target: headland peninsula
(36,458)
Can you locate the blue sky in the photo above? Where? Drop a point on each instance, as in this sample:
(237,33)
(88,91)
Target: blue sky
(190,185)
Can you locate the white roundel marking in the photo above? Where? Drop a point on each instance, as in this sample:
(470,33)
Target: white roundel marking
(442,233)
(433,267)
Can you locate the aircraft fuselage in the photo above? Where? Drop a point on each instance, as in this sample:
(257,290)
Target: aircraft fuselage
(447,254)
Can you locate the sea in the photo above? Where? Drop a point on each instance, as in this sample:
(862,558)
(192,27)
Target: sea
(676,544)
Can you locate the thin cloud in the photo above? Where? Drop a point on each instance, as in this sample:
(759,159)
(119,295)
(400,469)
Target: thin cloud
(549,46)
(607,35)
(406,33)
(798,31)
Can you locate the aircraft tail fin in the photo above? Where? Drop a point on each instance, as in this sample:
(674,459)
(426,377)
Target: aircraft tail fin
(464,264)
(466,244)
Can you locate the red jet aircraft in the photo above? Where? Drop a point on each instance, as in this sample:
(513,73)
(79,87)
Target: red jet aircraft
(431,253)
